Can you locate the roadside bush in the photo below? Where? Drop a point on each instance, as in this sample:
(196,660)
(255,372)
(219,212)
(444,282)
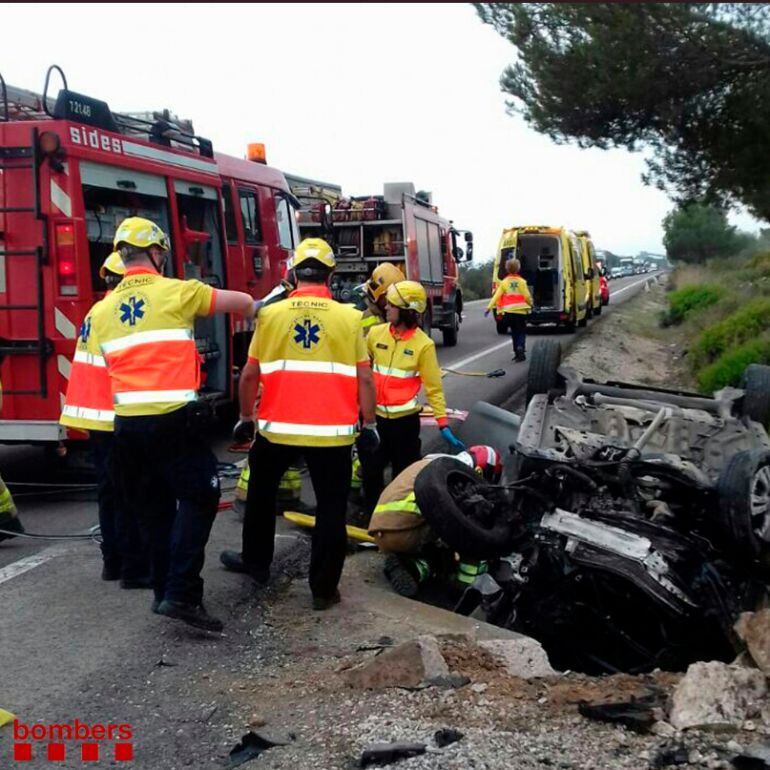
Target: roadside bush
(684,301)
(746,323)
(729,367)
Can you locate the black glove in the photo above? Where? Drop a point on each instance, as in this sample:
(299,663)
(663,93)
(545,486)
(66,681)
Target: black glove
(243,432)
(368,440)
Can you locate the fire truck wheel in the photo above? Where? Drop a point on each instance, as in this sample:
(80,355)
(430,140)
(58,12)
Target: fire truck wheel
(450,332)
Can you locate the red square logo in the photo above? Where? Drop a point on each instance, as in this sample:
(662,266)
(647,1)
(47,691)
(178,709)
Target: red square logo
(56,752)
(89,752)
(124,752)
(22,752)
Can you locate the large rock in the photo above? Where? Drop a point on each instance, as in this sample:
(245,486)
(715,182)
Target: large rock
(416,663)
(523,657)
(754,629)
(716,694)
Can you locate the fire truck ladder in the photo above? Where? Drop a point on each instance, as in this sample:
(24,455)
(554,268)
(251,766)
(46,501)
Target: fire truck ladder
(14,159)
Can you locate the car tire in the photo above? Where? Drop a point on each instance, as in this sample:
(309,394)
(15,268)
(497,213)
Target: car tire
(744,501)
(502,327)
(599,309)
(449,333)
(583,322)
(544,362)
(437,489)
(756,400)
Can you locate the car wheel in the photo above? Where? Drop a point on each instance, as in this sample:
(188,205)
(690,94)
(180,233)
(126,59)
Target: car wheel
(744,498)
(450,497)
(450,333)
(543,375)
(599,309)
(756,400)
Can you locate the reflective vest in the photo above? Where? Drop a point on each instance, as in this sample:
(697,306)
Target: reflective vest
(370,319)
(511,296)
(145,333)
(88,403)
(401,365)
(397,507)
(308,348)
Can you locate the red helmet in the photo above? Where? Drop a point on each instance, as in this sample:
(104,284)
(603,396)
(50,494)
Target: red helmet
(485,460)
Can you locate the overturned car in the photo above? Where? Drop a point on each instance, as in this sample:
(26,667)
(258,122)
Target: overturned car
(631,525)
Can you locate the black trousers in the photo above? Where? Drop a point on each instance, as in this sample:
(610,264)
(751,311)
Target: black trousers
(517,326)
(170,483)
(122,547)
(399,447)
(330,471)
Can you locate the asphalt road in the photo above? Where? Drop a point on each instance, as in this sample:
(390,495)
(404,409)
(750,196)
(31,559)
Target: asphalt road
(73,646)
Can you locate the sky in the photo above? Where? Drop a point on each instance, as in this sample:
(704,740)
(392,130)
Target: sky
(357,95)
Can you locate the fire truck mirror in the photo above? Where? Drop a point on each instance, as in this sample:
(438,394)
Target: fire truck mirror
(468,236)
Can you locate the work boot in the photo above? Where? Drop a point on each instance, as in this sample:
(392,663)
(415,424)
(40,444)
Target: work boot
(233,561)
(193,614)
(10,524)
(321,603)
(155,605)
(405,581)
(520,355)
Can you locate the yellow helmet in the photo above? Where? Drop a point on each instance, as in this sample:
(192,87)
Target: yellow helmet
(313,248)
(382,278)
(113,263)
(408,295)
(140,232)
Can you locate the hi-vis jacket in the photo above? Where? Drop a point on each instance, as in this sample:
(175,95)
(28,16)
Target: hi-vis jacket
(308,348)
(88,403)
(512,296)
(401,364)
(144,330)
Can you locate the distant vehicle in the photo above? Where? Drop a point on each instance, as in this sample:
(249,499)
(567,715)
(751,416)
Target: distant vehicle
(604,290)
(591,272)
(627,266)
(552,265)
(616,272)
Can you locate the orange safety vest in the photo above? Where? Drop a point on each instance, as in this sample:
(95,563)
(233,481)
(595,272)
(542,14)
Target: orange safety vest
(308,348)
(145,333)
(402,364)
(88,403)
(512,296)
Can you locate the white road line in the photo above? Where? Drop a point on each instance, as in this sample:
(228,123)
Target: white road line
(500,345)
(21,566)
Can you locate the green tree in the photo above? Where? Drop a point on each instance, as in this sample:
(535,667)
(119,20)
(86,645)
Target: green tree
(696,233)
(476,281)
(690,81)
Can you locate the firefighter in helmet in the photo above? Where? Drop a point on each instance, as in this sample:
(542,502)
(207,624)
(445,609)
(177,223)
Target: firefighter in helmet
(414,554)
(403,361)
(375,293)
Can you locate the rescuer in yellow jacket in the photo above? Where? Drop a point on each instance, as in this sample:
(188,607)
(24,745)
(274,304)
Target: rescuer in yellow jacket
(413,551)
(403,361)
(88,407)
(513,299)
(145,330)
(309,354)
(10,524)
(375,293)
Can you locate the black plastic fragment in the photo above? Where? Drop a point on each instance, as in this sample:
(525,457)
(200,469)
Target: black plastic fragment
(447,736)
(250,747)
(387,753)
(636,714)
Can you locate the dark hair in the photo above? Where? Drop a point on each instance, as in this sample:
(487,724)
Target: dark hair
(312,271)
(408,318)
(129,253)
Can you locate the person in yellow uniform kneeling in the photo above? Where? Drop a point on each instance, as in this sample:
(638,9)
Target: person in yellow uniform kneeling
(403,361)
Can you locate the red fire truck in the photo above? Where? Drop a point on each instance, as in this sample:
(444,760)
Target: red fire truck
(70,171)
(400,226)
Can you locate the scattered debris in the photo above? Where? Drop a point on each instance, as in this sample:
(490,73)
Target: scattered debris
(755,757)
(671,753)
(251,746)
(637,714)
(413,664)
(386,753)
(447,736)
(163,662)
(380,644)
(523,656)
(754,630)
(717,694)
